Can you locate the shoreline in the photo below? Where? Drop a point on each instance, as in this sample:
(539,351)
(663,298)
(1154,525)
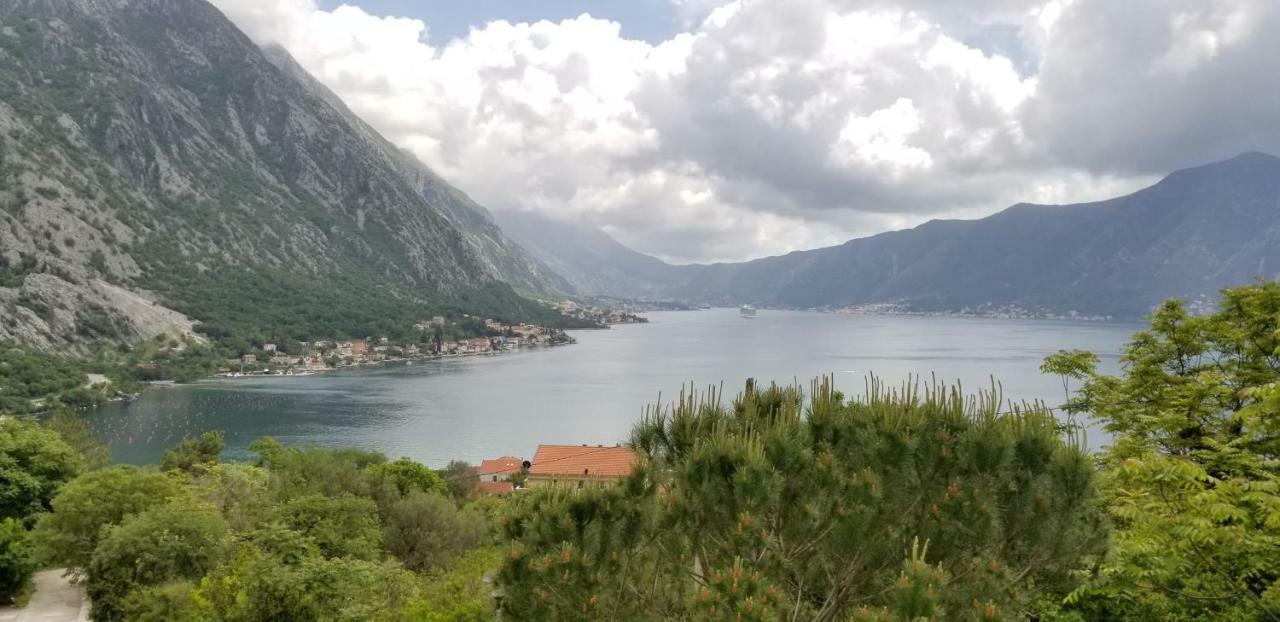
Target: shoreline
(379,363)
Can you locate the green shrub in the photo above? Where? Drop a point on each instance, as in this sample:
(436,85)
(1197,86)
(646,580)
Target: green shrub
(34,463)
(179,541)
(407,476)
(427,531)
(256,587)
(194,455)
(17,562)
(98,499)
(345,526)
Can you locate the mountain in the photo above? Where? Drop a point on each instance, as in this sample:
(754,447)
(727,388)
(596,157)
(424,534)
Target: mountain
(159,169)
(1192,233)
(593,263)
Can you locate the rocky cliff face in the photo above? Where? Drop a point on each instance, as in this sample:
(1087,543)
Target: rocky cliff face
(151,155)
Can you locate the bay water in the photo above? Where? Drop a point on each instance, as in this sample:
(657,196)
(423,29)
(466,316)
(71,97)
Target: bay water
(595,391)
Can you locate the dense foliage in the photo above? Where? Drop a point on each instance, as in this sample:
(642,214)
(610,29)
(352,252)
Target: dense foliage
(98,499)
(280,306)
(194,454)
(34,462)
(29,378)
(170,542)
(17,559)
(768,507)
(32,381)
(1193,474)
(300,535)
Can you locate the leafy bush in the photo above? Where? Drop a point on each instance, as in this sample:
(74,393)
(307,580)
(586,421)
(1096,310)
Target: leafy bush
(257,587)
(345,526)
(34,463)
(17,562)
(427,531)
(460,478)
(329,472)
(98,499)
(463,593)
(407,476)
(194,454)
(167,543)
(1193,473)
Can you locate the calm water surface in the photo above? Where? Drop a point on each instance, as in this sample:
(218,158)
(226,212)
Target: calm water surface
(593,392)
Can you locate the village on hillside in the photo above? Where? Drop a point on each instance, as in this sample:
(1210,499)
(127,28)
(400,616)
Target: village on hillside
(608,316)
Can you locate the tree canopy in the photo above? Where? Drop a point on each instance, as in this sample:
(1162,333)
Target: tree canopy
(305,534)
(96,500)
(1192,477)
(774,506)
(34,462)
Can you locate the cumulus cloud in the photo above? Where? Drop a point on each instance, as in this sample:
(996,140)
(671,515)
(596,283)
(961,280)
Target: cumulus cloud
(770,126)
(1150,85)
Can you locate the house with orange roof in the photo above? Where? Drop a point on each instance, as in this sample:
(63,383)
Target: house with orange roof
(579,466)
(499,469)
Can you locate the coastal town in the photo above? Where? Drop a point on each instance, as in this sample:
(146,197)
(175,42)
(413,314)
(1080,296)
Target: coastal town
(434,338)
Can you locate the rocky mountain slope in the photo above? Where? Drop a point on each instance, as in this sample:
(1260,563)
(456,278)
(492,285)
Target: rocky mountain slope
(152,158)
(593,263)
(1194,232)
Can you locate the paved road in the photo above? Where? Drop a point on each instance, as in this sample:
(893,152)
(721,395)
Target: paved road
(55,600)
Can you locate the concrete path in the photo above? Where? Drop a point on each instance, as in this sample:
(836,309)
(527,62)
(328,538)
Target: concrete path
(56,599)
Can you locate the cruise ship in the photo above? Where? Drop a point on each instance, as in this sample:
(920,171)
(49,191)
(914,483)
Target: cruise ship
(747,311)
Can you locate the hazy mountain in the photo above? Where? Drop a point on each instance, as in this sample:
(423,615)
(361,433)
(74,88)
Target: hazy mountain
(594,263)
(1194,232)
(149,151)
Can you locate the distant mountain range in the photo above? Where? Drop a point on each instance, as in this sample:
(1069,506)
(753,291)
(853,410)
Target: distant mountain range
(157,169)
(1196,231)
(593,263)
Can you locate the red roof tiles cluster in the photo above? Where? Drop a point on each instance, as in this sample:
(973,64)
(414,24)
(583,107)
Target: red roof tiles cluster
(579,460)
(505,465)
(495,488)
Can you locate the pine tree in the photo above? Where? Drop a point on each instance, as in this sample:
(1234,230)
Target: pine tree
(780,507)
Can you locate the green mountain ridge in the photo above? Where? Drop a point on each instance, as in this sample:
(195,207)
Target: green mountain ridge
(157,169)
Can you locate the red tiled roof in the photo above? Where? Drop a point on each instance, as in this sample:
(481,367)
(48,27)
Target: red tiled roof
(583,460)
(494,488)
(505,465)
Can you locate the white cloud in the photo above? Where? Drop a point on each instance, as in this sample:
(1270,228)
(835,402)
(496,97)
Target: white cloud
(775,125)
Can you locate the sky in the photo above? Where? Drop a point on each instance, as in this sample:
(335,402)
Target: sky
(723,130)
